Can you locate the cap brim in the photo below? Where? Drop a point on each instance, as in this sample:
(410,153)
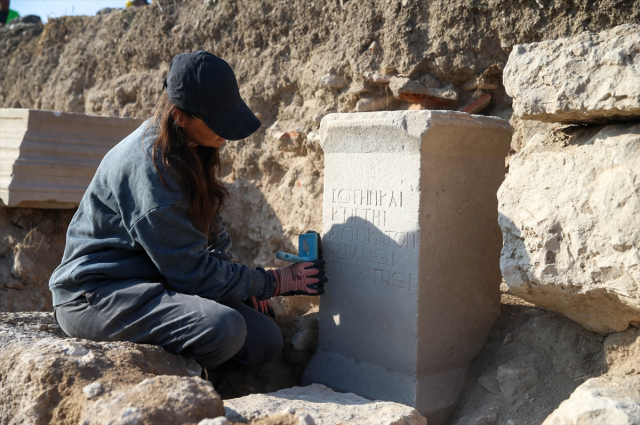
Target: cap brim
(234,125)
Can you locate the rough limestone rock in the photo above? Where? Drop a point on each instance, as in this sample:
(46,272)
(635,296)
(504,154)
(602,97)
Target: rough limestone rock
(524,130)
(601,401)
(325,406)
(286,417)
(516,379)
(31,246)
(46,377)
(590,78)
(623,352)
(570,216)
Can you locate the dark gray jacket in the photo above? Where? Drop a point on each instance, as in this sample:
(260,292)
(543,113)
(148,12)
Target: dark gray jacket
(130,225)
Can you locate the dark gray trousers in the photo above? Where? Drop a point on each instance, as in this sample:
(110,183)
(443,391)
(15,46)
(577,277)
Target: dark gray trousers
(225,336)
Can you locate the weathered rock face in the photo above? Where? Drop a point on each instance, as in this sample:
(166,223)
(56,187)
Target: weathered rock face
(31,246)
(325,406)
(569,213)
(46,377)
(591,78)
(524,130)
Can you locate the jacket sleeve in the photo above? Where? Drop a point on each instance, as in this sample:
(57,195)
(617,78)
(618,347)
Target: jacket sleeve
(180,253)
(220,241)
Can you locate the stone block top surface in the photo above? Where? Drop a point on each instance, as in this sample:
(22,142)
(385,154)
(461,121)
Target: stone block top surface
(403,132)
(590,78)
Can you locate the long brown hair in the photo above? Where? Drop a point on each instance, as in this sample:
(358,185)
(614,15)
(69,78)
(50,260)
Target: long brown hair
(196,171)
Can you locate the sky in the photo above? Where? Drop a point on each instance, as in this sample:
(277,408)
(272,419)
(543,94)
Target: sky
(57,8)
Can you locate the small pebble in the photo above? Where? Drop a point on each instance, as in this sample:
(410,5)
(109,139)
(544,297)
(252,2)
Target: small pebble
(93,390)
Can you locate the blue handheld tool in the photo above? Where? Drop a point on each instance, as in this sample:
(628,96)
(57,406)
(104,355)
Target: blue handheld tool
(307,249)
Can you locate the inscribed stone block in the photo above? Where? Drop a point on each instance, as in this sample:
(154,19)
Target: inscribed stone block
(412,246)
(47,159)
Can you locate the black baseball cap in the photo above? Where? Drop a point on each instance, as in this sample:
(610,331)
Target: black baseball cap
(202,84)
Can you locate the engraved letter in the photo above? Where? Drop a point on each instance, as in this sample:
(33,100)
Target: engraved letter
(393,202)
(380,278)
(380,257)
(343,196)
(362,236)
(382,196)
(335,214)
(401,239)
(398,280)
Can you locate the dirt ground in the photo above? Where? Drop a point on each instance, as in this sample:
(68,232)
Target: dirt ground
(532,360)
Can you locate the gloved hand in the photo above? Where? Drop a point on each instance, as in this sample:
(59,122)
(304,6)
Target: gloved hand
(263,306)
(300,279)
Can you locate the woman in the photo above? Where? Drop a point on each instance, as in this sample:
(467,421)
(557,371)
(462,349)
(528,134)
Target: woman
(147,258)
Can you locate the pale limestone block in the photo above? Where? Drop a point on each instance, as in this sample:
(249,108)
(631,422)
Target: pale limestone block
(589,78)
(569,211)
(412,249)
(47,159)
(323,406)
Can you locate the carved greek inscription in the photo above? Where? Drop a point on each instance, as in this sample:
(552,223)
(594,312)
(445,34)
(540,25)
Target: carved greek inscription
(373,236)
(361,274)
(359,216)
(369,256)
(368,197)
(359,246)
